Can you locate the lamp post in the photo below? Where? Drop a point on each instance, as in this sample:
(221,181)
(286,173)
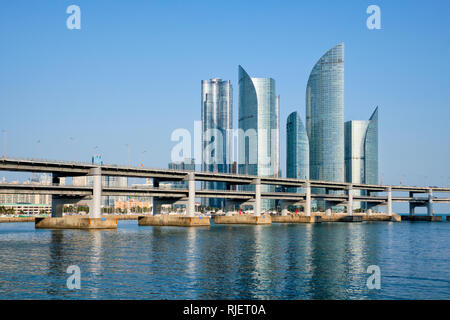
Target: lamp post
(142,158)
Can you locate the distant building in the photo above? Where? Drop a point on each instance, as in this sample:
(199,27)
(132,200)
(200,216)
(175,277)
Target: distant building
(361,152)
(258,130)
(107,181)
(297,150)
(217,136)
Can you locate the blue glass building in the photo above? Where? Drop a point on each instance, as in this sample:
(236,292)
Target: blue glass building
(217,138)
(325,118)
(297,150)
(258,130)
(361,152)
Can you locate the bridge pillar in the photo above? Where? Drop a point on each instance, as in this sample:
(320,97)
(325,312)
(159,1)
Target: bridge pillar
(430,202)
(257,206)
(57,207)
(389,201)
(350,201)
(229,207)
(284,208)
(190,208)
(95,205)
(327,208)
(308,199)
(412,208)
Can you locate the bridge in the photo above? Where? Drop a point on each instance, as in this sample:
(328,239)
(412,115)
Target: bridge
(64,194)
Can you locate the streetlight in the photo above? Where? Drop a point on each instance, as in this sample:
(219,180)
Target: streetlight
(73,141)
(142,161)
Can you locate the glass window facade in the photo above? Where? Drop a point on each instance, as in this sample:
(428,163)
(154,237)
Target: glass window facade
(258,130)
(361,152)
(325,116)
(217,138)
(297,147)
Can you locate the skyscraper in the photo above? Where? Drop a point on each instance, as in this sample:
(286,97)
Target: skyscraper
(297,150)
(217,125)
(325,116)
(361,151)
(258,129)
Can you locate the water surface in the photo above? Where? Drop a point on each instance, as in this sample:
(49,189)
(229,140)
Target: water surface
(281,261)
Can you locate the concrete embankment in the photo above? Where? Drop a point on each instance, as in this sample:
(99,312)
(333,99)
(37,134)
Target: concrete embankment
(243,219)
(359,217)
(173,220)
(16,219)
(296,218)
(422,218)
(75,222)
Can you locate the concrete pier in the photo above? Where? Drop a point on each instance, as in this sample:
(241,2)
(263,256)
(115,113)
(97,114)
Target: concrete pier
(295,218)
(422,218)
(243,219)
(173,220)
(335,217)
(74,222)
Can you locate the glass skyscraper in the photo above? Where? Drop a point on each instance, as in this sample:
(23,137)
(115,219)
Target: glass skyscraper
(325,117)
(258,130)
(361,151)
(297,149)
(217,137)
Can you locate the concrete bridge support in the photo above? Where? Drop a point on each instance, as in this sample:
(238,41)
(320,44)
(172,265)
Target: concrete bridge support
(308,199)
(412,207)
(430,203)
(350,201)
(257,205)
(389,201)
(95,210)
(190,208)
(284,208)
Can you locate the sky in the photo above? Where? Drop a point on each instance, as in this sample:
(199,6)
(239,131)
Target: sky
(132,73)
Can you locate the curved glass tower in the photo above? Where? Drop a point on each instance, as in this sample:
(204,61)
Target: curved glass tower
(258,129)
(361,152)
(325,116)
(297,147)
(217,124)
(371,150)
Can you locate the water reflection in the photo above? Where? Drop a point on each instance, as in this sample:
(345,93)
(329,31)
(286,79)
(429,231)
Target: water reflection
(282,261)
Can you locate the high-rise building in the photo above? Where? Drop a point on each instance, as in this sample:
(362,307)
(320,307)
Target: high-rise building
(297,150)
(361,152)
(258,130)
(217,136)
(325,117)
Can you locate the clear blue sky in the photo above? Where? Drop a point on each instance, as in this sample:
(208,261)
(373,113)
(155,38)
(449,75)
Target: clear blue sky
(132,73)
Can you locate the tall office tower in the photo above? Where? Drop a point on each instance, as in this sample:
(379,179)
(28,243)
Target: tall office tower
(297,150)
(258,130)
(217,135)
(361,152)
(325,117)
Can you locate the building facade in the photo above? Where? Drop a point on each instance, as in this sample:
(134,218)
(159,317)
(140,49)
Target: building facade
(297,150)
(217,136)
(325,117)
(258,130)
(361,152)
